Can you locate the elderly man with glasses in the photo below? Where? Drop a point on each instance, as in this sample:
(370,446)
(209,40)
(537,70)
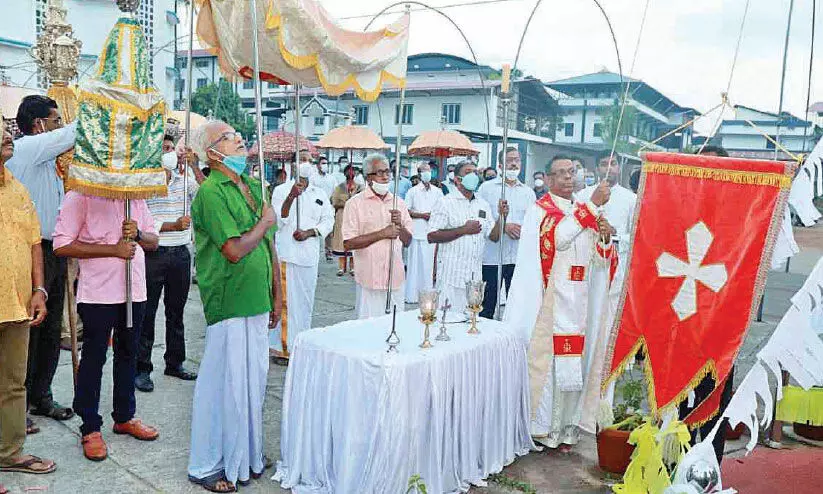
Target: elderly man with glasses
(370,228)
(239,278)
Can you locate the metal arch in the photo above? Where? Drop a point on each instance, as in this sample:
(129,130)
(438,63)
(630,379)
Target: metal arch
(468,44)
(616,51)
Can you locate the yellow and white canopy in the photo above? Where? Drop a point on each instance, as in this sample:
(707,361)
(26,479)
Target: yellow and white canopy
(300,43)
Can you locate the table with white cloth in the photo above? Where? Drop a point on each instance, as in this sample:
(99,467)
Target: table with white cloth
(357,419)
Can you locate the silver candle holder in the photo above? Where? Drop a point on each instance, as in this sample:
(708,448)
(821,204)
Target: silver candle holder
(428,313)
(475,291)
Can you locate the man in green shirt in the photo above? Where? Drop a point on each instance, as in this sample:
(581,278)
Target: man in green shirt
(239,279)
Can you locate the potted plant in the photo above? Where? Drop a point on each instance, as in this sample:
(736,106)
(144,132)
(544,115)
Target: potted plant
(613,449)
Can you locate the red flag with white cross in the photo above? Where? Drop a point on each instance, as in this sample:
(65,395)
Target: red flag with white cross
(702,242)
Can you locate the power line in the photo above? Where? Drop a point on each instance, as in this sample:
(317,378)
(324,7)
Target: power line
(441,7)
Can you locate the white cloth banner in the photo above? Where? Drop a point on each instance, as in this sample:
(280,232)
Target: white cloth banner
(359,420)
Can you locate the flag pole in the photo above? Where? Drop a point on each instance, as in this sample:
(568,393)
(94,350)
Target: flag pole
(296,169)
(258,97)
(188,109)
(396,182)
(129,308)
(505,97)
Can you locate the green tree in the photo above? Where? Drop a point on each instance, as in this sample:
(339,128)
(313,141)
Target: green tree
(612,133)
(221,101)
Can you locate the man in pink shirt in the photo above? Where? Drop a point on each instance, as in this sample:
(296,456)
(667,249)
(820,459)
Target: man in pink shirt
(95,231)
(370,230)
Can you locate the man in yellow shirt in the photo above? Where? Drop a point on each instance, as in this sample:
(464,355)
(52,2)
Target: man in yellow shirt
(22,303)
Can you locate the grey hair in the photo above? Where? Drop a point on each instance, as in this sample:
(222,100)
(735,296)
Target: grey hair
(199,139)
(371,159)
(458,170)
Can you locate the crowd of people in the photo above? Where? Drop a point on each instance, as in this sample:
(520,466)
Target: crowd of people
(258,288)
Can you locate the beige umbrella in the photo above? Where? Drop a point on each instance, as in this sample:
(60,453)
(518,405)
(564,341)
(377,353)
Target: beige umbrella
(442,144)
(351,137)
(196,119)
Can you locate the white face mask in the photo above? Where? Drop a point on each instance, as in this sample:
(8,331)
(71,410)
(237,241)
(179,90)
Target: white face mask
(380,189)
(170,161)
(451,176)
(512,174)
(324,167)
(426,176)
(539,183)
(304,170)
(359,180)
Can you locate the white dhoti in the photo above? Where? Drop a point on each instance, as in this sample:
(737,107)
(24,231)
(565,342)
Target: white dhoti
(420,269)
(227,415)
(372,303)
(299,284)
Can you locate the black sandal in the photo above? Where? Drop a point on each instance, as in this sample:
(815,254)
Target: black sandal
(210,483)
(31,427)
(267,463)
(54,411)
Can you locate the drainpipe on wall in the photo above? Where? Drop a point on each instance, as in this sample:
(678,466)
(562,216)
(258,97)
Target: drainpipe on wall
(583,123)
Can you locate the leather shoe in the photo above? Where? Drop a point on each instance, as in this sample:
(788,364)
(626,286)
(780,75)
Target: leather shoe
(94,448)
(143,382)
(180,373)
(137,429)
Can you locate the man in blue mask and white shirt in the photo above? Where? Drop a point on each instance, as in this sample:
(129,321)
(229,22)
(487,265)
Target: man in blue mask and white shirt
(519,199)
(460,224)
(420,200)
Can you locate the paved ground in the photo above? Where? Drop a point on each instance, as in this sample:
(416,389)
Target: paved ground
(134,467)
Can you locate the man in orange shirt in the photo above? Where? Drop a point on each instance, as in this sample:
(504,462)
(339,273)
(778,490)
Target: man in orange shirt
(22,303)
(370,228)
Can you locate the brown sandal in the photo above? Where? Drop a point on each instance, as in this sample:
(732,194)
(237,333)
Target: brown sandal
(25,466)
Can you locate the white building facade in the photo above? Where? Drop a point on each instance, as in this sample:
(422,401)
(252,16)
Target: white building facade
(91,20)
(740,138)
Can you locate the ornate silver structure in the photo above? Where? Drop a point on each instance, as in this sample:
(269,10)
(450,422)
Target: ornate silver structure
(57,51)
(128,5)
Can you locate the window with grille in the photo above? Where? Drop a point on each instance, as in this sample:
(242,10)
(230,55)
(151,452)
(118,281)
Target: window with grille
(408,114)
(597,131)
(203,63)
(318,121)
(202,82)
(361,115)
(248,84)
(145,17)
(568,129)
(451,113)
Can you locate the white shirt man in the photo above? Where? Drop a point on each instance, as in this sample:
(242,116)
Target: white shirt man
(619,212)
(421,200)
(558,292)
(460,224)
(322,178)
(298,243)
(519,198)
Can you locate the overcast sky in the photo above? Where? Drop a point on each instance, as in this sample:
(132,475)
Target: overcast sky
(686,50)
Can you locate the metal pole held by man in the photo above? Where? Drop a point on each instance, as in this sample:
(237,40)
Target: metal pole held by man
(506,99)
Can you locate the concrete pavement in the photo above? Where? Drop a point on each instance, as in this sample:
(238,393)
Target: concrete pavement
(160,466)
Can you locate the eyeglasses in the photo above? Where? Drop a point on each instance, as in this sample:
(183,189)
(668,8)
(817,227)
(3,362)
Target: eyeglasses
(381,173)
(237,136)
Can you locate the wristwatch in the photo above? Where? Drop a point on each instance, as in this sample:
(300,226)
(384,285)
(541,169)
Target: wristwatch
(41,290)
(316,232)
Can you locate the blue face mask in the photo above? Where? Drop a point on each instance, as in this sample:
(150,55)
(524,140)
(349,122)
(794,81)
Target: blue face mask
(471,181)
(426,176)
(236,163)
(589,180)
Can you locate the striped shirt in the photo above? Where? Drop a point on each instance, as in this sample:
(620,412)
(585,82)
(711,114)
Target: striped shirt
(460,260)
(168,209)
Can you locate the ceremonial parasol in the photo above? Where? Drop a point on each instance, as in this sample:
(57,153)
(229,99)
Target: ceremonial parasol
(196,119)
(442,144)
(279,146)
(352,137)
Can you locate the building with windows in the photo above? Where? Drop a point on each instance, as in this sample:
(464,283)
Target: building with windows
(745,135)
(91,20)
(590,106)
(442,91)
